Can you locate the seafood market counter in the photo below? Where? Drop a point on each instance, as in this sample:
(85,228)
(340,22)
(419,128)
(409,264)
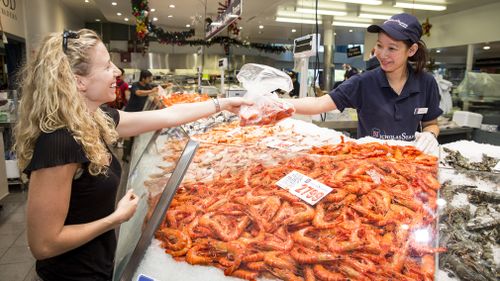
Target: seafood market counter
(393,213)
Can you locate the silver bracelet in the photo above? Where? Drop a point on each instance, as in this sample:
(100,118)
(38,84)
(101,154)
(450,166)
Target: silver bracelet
(217,104)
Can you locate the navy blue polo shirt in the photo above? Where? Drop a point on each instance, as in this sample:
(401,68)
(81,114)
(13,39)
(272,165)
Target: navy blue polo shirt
(384,114)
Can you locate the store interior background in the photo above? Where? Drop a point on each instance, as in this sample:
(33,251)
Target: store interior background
(463,23)
(464,37)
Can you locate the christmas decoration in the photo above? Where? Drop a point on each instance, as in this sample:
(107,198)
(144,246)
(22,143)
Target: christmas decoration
(166,37)
(147,31)
(426,27)
(140,10)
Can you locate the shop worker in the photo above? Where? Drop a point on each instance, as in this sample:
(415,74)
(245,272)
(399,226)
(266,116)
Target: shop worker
(140,91)
(122,92)
(396,100)
(348,74)
(62,141)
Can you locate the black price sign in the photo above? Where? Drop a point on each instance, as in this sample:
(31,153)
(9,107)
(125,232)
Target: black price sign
(354,51)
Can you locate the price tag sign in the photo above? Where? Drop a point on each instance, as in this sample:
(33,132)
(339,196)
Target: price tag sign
(497,167)
(302,186)
(273,142)
(143,277)
(277,143)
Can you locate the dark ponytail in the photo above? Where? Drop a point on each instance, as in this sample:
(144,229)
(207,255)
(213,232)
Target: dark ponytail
(420,57)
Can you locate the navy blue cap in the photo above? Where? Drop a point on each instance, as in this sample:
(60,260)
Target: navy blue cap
(400,27)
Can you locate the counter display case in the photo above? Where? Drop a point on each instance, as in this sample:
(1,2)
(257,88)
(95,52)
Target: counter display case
(210,208)
(469,225)
(163,155)
(228,217)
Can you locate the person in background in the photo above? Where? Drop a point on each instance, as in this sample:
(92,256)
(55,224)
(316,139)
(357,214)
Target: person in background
(62,139)
(140,91)
(348,74)
(396,100)
(296,85)
(122,92)
(139,94)
(372,62)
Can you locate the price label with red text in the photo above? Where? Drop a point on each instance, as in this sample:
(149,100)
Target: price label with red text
(304,187)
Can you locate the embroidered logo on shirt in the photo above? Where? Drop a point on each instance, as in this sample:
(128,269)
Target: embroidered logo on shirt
(379,134)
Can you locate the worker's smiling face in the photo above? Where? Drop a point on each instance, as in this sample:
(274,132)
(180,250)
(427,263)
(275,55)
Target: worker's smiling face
(393,54)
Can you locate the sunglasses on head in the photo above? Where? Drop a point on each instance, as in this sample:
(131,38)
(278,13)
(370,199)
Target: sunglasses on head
(68,34)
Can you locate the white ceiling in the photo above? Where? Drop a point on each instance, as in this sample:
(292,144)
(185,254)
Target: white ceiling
(255,13)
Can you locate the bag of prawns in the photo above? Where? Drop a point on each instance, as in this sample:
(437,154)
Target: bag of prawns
(261,82)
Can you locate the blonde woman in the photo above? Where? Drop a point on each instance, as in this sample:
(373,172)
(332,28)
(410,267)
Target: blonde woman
(62,143)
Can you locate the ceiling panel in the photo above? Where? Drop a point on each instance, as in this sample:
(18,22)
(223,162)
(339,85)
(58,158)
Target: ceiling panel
(259,12)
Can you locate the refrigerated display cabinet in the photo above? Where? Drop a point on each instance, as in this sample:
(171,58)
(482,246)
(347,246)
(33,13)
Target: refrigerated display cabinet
(231,167)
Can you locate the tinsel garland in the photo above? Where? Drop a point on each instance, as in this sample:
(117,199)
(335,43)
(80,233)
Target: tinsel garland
(227,41)
(147,31)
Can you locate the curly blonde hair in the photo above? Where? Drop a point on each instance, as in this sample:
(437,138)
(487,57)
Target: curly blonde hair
(50,101)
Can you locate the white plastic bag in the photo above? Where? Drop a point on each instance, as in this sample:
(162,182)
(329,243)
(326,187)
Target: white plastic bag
(261,81)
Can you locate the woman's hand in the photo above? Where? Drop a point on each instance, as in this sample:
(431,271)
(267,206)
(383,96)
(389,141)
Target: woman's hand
(233,104)
(126,207)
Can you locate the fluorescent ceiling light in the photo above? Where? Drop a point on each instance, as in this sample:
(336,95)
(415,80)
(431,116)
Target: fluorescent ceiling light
(292,14)
(374,16)
(432,1)
(125,19)
(297,20)
(417,6)
(155,19)
(261,26)
(438,51)
(322,5)
(353,19)
(486,47)
(114,3)
(352,24)
(320,12)
(294,30)
(188,25)
(152,9)
(118,14)
(171,6)
(385,10)
(366,2)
